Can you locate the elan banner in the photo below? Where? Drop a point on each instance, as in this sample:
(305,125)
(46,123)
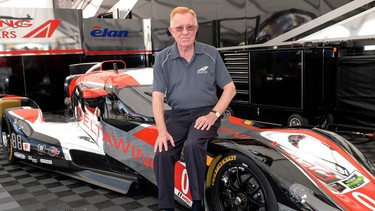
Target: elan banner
(40,31)
(117,36)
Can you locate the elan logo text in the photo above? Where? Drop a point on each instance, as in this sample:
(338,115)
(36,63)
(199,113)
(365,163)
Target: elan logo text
(98,32)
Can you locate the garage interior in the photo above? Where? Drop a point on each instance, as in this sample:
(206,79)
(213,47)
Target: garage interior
(294,63)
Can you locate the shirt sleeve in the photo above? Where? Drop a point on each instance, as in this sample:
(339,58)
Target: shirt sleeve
(159,83)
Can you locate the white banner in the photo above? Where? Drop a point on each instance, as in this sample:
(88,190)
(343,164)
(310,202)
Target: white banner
(40,31)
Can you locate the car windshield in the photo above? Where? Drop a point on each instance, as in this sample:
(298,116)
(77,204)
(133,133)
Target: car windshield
(138,99)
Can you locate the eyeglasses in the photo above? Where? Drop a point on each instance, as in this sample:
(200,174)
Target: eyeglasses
(187,27)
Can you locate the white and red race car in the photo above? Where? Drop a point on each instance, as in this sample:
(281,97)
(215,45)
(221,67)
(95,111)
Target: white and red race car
(250,165)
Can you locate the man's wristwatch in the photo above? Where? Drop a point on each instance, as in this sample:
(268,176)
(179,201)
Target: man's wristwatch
(217,114)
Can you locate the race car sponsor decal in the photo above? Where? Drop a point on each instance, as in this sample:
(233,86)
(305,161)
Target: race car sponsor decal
(181,182)
(45,161)
(128,148)
(221,163)
(354,181)
(41,149)
(183,197)
(53,151)
(34,160)
(115,140)
(19,155)
(26,146)
(89,121)
(85,138)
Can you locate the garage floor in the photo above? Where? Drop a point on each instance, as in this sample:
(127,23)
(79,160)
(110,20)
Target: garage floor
(24,187)
(27,188)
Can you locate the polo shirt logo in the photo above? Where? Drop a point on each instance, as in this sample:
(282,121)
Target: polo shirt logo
(202,70)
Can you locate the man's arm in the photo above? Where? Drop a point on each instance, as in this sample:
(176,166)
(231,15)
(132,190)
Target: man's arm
(158,110)
(229,91)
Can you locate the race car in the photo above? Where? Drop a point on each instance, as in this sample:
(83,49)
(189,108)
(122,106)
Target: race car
(250,165)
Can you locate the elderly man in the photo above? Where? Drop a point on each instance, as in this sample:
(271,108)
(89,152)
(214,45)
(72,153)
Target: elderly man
(187,75)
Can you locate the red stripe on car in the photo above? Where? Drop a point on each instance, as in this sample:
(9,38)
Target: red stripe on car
(148,135)
(27,114)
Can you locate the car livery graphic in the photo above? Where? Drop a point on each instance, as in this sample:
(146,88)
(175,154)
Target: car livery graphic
(250,165)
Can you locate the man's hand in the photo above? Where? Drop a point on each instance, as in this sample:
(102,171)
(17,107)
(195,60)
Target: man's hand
(205,122)
(162,140)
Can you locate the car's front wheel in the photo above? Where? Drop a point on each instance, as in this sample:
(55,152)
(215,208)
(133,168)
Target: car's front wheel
(238,184)
(6,140)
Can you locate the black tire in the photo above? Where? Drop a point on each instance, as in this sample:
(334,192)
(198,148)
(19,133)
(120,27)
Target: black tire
(228,112)
(296,120)
(327,121)
(6,136)
(239,184)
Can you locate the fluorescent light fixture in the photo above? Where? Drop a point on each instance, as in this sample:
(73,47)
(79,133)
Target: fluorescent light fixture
(369,47)
(27,3)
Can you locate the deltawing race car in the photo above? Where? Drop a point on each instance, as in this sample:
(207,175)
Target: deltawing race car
(250,165)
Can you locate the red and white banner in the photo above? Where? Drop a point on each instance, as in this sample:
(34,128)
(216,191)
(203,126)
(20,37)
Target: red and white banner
(40,31)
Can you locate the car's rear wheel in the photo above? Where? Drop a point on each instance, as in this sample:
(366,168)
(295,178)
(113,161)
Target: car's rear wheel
(296,120)
(228,111)
(6,140)
(327,121)
(238,184)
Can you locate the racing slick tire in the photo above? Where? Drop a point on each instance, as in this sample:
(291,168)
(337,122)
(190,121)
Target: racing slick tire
(238,184)
(6,136)
(297,120)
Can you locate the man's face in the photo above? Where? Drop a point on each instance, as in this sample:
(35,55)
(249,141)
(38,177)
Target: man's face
(183,29)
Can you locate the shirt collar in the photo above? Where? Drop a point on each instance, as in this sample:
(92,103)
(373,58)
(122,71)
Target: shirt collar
(175,54)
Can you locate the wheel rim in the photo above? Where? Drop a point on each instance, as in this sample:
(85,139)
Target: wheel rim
(227,112)
(295,122)
(241,190)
